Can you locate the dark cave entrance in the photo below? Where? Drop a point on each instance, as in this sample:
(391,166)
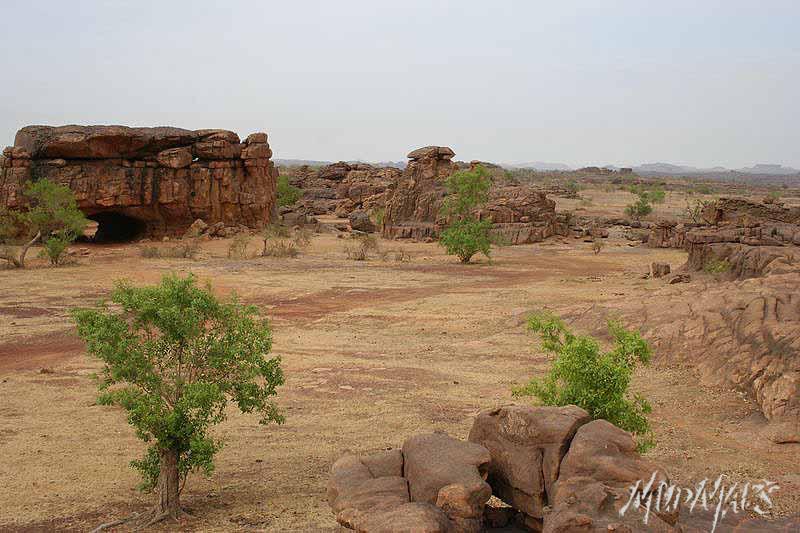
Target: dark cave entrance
(116,227)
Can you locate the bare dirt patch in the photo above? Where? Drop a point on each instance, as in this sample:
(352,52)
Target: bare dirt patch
(373,352)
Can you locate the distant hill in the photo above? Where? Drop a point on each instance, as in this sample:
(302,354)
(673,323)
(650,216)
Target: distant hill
(764,168)
(300,162)
(541,165)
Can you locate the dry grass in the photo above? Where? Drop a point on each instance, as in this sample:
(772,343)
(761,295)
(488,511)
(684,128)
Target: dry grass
(373,352)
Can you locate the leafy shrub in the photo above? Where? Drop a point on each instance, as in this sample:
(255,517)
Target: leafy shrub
(717,266)
(173,357)
(464,238)
(53,216)
(465,235)
(287,193)
(237,248)
(572,187)
(702,189)
(55,247)
(596,381)
(640,208)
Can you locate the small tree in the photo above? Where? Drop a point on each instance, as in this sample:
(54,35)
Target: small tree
(174,356)
(640,208)
(287,193)
(464,238)
(466,235)
(582,375)
(52,216)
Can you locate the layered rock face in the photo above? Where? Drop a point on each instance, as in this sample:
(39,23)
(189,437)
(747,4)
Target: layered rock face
(147,181)
(742,330)
(413,201)
(519,215)
(342,187)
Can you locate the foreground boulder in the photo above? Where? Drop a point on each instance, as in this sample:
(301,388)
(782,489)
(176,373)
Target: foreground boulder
(147,181)
(435,484)
(526,445)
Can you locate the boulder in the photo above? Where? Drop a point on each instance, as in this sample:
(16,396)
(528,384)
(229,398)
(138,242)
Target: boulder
(449,473)
(175,158)
(594,483)
(360,221)
(526,446)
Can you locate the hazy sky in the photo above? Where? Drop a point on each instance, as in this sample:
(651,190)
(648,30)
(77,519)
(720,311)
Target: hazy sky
(693,82)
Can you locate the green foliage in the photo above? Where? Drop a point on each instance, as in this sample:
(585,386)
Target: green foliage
(702,189)
(596,381)
(597,245)
(287,193)
(55,247)
(466,190)
(173,357)
(572,187)
(464,238)
(466,235)
(52,215)
(640,208)
(717,266)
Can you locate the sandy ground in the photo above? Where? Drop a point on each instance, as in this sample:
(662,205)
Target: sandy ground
(373,352)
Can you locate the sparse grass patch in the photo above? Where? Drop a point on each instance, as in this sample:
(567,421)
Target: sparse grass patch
(363,249)
(237,248)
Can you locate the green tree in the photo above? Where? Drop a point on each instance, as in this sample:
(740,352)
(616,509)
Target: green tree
(466,190)
(287,193)
(51,216)
(465,234)
(464,238)
(174,356)
(596,381)
(640,208)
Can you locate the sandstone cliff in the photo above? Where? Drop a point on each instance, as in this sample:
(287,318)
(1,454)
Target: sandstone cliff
(146,181)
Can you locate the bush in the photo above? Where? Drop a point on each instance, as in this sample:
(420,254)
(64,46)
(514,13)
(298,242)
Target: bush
(641,208)
(597,245)
(150,252)
(598,382)
(54,248)
(52,215)
(377,215)
(717,266)
(173,357)
(287,194)
(237,248)
(465,238)
(466,235)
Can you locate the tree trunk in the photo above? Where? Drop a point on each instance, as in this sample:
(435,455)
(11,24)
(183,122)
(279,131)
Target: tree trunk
(169,503)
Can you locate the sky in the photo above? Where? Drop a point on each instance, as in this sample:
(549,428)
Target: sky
(699,82)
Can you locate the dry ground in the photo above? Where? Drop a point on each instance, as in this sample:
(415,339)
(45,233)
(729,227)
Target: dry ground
(373,352)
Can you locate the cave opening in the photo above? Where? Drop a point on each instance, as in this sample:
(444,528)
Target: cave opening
(115,227)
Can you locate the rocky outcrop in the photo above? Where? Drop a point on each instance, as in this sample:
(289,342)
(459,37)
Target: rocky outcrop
(519,214)
(147,181)
(527,445)
(413,201)
(558,470)
(434,484)
(341,187)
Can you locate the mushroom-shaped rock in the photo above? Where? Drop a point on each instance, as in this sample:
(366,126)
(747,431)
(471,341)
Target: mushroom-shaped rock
(526,445)
(438,152)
